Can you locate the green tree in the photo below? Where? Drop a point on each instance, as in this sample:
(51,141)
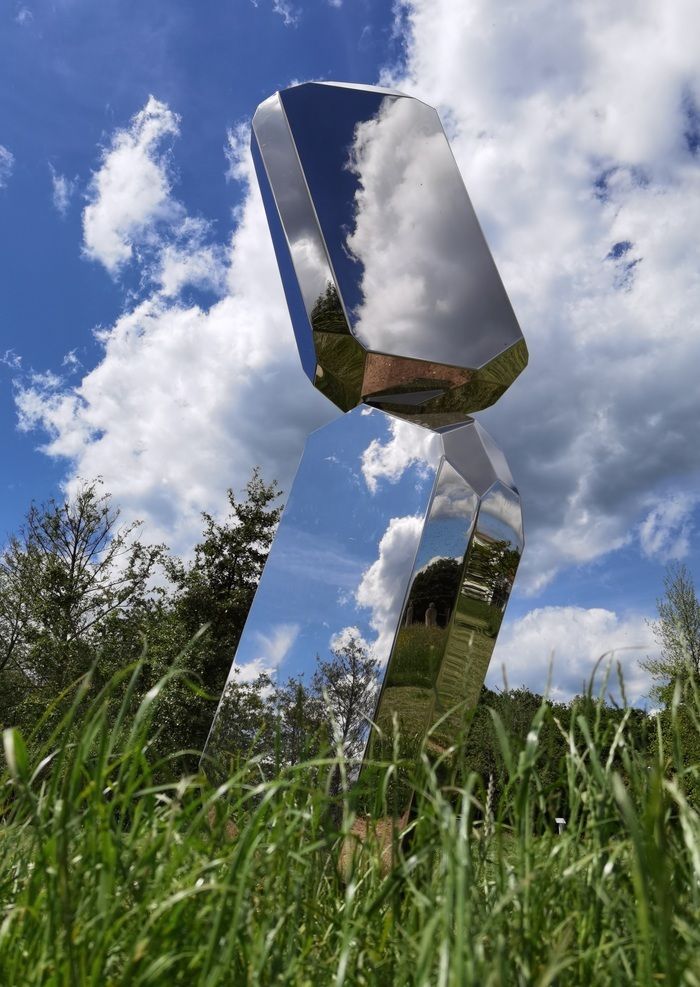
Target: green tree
(217,588)
(438,583)
(299,721)
(677,632)
(347,686)
(215,592)
(676,672)
(244,727)
(72,568)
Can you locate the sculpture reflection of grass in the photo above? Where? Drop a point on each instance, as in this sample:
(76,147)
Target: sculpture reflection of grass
(340,358)
(481,601)
(442,651)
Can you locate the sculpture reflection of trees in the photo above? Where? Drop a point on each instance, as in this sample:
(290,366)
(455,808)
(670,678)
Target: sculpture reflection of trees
(438,583)
(287,722)
(327,314)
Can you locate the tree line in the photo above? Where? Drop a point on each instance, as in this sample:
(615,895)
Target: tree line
(81,594)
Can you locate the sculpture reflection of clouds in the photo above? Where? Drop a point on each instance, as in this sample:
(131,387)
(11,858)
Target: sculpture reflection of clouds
(454,498)
(395,300)
(393,293)
(348,635)
(501,514)
(273,649)
(430,289)
(383,584)
(407,446)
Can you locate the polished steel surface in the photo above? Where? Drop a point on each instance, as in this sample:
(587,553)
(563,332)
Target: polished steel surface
(342,558)
(400,537)
(403,307)
(402,533)
(463,573)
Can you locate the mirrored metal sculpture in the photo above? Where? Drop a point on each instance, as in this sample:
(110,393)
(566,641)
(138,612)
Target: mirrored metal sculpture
(394,295)
(403,531)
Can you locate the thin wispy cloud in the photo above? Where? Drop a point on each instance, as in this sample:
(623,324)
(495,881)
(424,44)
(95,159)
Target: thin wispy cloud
(62,191)
(7,164)
(289,13)
(665,532)
(24,16)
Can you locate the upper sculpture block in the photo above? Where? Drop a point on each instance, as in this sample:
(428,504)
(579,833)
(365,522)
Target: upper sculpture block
(394,296)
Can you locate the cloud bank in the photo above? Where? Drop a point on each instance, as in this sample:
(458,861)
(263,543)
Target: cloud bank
(576,130)
(186,398)
(571,640)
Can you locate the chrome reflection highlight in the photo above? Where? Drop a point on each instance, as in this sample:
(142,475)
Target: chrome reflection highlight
(394,296)
(462,577)
(402,534)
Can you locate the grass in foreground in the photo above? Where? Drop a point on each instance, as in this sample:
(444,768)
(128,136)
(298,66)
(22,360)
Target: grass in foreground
(109,878)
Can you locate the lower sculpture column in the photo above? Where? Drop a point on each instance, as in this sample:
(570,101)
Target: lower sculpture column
(401,541)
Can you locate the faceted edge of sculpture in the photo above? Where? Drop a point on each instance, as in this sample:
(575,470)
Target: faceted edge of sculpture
(438,713)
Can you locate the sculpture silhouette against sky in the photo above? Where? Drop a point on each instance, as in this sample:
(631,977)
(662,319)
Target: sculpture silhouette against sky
(403,528)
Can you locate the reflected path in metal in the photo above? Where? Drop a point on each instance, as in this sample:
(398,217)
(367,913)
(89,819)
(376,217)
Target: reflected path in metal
(403,530)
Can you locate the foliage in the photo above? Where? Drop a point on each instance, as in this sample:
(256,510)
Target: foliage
(111,878)
(120,864)
(347,686)
(438,583)
(70,571)
(77,592)
(677,669)
(677,632)
(417,655)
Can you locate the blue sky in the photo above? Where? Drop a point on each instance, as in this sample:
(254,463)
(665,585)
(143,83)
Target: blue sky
(144,333)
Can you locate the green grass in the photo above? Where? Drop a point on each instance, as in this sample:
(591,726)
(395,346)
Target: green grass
(108,877)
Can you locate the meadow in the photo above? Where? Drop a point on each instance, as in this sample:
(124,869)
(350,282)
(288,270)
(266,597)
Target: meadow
(113,874)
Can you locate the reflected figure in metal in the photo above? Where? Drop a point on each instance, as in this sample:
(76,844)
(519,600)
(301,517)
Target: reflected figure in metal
(403,530)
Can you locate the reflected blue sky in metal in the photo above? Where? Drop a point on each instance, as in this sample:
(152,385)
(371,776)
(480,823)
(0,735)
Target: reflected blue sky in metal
(402,304)
(329,536)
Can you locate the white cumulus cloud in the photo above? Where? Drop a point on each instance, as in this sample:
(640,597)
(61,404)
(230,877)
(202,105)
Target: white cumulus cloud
(407,446)
(130,192)
(572,639)
(185,399)
(576,130)
(347,636)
